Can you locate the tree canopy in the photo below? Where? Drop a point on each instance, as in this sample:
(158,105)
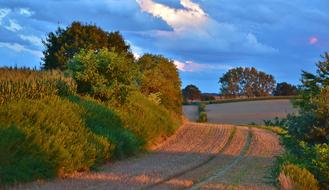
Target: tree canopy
(104,74)
(285,89)
(160,75)
(246,82)
(61,45)
(191,92)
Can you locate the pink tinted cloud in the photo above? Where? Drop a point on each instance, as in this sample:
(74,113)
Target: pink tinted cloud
(313,40)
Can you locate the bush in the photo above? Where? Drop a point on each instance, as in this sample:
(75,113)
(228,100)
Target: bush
(301,179)
(17,84)
(203,117)
(103,74)
(146,119)
(202,113)
(322,163)
(54,126)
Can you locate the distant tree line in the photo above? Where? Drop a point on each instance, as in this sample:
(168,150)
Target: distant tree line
(238,82)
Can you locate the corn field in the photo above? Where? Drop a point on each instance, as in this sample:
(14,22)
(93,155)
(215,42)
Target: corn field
(16,84)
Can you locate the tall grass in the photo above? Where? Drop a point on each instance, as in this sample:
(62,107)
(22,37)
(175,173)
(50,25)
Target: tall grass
(17,84)
(146,119)
(49,131)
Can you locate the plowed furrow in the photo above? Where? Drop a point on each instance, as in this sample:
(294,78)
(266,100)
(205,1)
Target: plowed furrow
(253,170)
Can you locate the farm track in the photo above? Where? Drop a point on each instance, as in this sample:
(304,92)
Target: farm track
(202,156)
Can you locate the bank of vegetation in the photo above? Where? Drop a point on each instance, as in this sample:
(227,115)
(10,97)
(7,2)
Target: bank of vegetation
(305,163)
(91,102)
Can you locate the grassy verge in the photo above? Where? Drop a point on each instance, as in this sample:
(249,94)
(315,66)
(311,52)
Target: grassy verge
(302,165)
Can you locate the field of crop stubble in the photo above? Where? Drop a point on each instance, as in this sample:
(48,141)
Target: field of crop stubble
(245,112)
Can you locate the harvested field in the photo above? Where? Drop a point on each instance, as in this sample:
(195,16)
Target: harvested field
(248,112)
(198,155)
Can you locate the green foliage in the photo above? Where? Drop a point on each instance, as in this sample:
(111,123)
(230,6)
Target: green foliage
(160,75)
(301,178)
(322,163)
(63,44)
(104,74)
(279,122)
(146,119)
(191,92)
(312,157)
(17,84)
(246,82)
(53,134)
(202,113)
(105,122)
(285,89)
(21,160)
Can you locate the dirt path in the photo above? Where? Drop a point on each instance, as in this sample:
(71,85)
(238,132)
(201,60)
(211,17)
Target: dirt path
(198,156)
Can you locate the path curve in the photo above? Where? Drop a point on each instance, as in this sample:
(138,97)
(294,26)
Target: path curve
(198,156)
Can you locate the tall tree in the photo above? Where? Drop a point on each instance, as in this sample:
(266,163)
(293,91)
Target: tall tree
(191,92)
(285,89)
(61,45)
(160,75)
(246,82)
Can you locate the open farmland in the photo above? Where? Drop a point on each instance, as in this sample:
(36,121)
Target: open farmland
(197,156)
(248,112)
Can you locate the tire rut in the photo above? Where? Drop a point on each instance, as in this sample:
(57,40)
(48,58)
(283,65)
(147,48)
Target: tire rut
(195,167)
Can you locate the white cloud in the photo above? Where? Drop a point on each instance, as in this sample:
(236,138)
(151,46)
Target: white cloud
(179,19)
(13,26)
(32,39)
(20,48)
(195,31)
(26,12)
(190,66)
(3,14)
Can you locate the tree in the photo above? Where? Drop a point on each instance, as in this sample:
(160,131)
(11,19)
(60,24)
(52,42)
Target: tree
(191,92)
(160,75)
(246,82)
(285,89)
(103,74)
(312,123)
(61,45)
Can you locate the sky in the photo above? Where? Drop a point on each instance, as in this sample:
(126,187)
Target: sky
(204,38)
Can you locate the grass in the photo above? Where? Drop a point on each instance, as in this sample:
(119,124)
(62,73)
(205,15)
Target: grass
(47,137)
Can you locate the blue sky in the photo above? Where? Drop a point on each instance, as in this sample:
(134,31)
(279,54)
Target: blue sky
(205,38)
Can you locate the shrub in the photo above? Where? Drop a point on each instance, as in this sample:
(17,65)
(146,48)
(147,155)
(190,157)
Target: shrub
(146,119)
(301,179)
(103,74)
(17,84)
(322,163)
(202,113)
(54,126)
(203,117)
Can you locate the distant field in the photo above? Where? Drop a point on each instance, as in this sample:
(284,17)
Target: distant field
(245,112)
